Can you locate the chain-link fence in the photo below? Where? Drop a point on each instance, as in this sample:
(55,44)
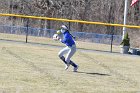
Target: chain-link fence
(38,32)
(43,36)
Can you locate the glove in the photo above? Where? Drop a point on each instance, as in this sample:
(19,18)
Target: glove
(58,32)
(56,37)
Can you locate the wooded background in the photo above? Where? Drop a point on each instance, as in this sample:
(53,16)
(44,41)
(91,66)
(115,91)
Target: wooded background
(109,11)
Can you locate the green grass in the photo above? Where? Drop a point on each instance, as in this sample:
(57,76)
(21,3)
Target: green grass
(27,68)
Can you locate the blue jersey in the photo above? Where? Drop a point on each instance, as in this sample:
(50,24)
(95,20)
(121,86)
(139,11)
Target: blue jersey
(67,39)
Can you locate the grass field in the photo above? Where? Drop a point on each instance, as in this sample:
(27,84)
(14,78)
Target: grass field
(29,68)
(43,40)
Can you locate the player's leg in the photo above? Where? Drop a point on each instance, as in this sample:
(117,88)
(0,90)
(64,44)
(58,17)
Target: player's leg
(62,52)
(69,55)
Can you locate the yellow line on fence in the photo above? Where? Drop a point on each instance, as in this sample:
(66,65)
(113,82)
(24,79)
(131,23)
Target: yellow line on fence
(68,20)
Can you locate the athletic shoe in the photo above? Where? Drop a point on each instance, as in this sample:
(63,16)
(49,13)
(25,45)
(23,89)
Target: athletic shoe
(75,69)
(67,66)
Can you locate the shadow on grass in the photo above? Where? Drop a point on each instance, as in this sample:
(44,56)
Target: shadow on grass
(100,74)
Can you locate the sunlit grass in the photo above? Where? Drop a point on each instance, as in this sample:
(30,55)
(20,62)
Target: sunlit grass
(27,68)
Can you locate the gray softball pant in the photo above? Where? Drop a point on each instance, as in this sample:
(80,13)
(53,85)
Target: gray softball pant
(69,51)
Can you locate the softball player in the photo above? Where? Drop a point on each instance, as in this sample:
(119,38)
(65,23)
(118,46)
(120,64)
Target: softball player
(70,48)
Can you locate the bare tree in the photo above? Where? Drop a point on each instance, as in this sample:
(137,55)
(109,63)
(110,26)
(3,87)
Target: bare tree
(110,11)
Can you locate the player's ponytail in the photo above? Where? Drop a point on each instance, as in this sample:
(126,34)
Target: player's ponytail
(71,35)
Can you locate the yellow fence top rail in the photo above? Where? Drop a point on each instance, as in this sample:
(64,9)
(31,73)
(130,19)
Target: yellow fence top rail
(68,20)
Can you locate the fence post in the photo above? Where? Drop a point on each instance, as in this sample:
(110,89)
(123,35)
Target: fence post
(49,27)
(69,25)
(27,26)
(112,30)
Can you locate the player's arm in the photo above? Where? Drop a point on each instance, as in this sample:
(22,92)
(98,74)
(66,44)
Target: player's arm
(65,39)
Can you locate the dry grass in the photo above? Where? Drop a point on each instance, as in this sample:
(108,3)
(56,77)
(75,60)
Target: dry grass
(43,40)
(25,68)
